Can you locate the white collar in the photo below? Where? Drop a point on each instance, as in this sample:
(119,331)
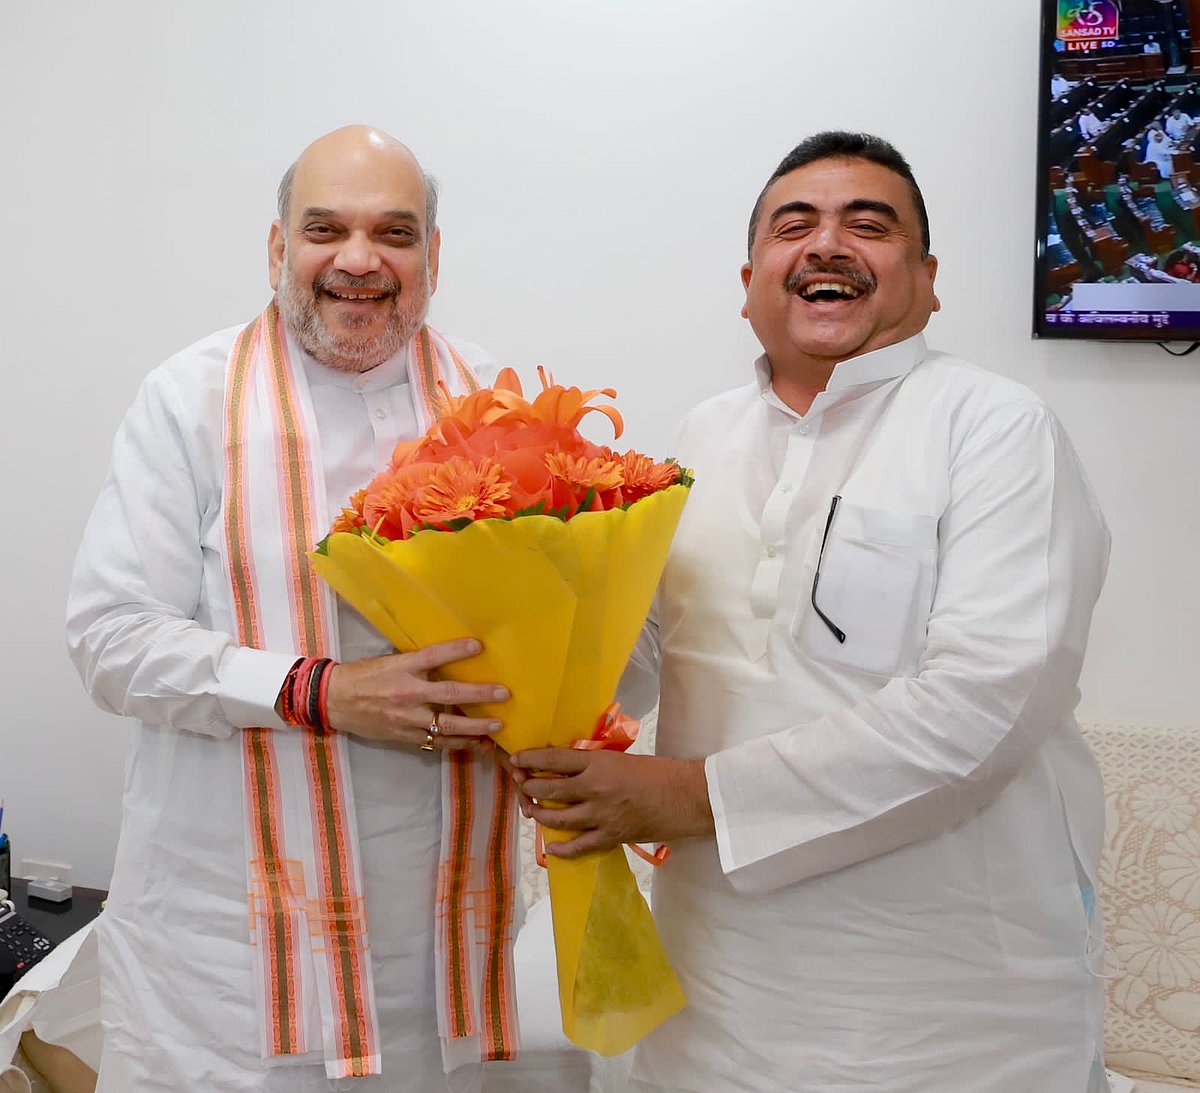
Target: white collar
(851,377)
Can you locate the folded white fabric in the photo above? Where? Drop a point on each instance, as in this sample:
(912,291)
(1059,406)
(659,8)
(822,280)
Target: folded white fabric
(59,999)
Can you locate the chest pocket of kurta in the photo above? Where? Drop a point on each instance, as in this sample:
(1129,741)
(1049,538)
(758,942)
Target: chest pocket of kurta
(875,585)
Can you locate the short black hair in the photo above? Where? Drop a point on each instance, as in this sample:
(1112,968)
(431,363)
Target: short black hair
(836,144)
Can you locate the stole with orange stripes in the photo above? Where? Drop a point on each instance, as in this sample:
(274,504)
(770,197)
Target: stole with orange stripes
(307,918)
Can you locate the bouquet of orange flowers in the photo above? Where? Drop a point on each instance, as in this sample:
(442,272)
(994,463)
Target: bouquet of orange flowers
(505,523)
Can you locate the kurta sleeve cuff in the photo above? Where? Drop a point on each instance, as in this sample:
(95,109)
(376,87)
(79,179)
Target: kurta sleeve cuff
(249,686)
(720,815)
(760,848)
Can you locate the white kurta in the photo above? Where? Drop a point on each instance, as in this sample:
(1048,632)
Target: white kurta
(1177,128)
(1161,154)
(1090,126)
(898,895)
(149,628)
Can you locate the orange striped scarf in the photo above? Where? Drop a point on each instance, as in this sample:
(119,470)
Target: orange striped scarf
(307,918)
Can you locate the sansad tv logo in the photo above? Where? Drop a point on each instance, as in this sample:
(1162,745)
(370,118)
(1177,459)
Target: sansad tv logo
(1087,20)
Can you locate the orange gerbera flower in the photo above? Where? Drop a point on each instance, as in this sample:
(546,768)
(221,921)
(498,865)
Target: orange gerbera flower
(600,474)
(459,490)
(643,476)
(391,495)
(351,517)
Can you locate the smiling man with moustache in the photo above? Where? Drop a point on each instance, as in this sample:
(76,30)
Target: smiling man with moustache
(273,922)
(885,824)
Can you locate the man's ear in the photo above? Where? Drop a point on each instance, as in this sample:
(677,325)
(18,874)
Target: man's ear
(747,271)
(931,266)
(275,253)
(432,256)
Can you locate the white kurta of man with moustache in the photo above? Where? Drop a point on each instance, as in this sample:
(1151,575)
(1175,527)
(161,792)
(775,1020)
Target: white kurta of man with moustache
(899,896)
(150,629)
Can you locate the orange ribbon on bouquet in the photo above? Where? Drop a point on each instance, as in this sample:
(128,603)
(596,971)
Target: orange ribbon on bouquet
(615,731)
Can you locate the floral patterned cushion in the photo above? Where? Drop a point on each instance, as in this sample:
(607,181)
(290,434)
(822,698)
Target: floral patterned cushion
(1150,892)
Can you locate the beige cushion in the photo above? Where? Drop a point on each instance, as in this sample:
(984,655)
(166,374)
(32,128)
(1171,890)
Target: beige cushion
(1153,1085)
(1150,892)
(1162,1087)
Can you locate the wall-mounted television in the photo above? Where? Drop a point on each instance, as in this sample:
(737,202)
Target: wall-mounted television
(1118,210)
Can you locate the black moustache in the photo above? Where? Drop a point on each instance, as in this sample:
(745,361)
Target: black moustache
(864,282)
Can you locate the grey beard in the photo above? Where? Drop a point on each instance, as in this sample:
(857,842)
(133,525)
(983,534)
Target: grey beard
(298,305)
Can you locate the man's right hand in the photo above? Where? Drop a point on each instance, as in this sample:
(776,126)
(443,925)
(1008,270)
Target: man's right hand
(394,699)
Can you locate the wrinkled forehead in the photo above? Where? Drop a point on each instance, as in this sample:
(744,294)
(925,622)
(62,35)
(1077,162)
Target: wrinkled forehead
(363,182)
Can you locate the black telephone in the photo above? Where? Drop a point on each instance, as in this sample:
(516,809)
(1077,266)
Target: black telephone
(21,946)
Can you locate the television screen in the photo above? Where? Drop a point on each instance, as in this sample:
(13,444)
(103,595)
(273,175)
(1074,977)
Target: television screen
(1118,222)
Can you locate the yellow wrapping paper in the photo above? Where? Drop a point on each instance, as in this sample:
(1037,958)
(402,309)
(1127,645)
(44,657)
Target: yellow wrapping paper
(558,606)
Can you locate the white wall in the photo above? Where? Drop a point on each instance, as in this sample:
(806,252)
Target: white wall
(599,158)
